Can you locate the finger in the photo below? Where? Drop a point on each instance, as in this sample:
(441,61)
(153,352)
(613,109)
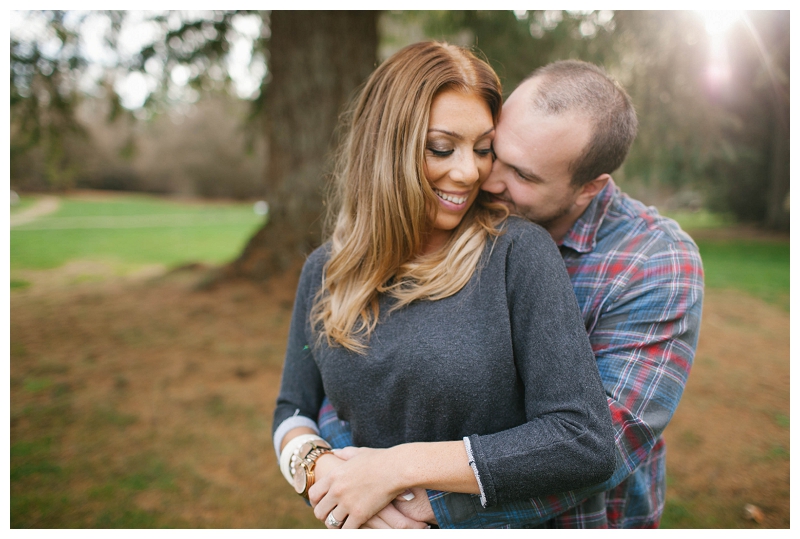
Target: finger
(336,518)
(397,520)
(325,505)
(375,523)
(353,522)
(407,496)
(319,489)
(419,508)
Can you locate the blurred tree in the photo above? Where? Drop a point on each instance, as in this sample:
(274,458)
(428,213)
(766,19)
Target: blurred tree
(43,97)
(53,74)
(317,60)
(753,176)
(692,138)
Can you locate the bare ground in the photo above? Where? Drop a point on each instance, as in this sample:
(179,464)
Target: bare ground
(142,403)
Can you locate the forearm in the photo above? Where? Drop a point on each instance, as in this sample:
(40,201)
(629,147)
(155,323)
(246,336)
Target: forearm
(433,465)
(294,433)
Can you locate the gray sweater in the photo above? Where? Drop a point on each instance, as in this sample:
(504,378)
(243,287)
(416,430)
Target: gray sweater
(505,363)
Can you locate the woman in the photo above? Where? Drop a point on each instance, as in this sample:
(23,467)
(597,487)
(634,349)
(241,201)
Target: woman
(448,335)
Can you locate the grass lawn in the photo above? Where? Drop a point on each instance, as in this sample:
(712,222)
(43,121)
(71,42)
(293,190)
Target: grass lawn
(133,230)
(758,267)
(24,203)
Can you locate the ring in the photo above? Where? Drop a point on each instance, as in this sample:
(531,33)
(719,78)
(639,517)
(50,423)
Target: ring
(331,521)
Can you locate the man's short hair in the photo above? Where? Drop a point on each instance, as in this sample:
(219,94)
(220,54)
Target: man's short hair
(572,85)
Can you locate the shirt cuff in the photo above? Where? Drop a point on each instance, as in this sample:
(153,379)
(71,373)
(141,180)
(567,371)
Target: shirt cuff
(474,467)
(288,424)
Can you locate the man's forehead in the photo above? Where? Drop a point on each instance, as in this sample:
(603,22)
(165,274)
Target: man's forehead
(524,91)
(528,125)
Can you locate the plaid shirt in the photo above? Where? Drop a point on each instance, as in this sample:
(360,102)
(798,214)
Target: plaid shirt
(639,283)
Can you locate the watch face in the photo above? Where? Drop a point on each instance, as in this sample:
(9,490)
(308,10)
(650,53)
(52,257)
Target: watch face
(300,478)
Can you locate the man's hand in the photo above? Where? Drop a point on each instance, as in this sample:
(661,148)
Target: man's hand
(390,518)
(419,508)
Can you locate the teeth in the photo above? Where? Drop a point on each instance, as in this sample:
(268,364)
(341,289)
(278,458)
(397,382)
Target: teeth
(450,198)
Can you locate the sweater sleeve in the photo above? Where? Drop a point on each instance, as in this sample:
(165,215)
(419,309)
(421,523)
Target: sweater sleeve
(567,441)
(301,390)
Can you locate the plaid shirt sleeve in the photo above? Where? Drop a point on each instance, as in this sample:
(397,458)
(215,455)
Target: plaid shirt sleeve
(644,338)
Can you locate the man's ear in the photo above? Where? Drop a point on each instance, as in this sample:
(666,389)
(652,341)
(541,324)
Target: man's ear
(589,190)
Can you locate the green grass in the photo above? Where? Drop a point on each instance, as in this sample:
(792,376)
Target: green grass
(24,203)
(698,220)
(134,230)
(758,268)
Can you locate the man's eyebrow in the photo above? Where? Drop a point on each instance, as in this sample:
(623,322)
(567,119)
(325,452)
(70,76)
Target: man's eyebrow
(456,135)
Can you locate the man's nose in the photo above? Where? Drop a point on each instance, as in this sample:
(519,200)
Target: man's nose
(493,183)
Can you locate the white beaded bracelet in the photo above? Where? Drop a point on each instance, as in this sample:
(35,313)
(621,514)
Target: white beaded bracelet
(289,450)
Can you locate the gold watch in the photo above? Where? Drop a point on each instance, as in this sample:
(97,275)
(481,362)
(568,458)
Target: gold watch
(307,457)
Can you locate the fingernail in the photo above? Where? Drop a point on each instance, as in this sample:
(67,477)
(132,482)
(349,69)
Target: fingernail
(407,496)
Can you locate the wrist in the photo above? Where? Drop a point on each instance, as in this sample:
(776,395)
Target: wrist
(434,465)
(326,463)
(404,461)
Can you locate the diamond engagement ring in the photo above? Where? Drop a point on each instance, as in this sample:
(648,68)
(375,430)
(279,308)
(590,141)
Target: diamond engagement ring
(331,521)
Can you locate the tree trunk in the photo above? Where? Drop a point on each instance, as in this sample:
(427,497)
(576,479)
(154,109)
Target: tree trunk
(317,59)
(777,200)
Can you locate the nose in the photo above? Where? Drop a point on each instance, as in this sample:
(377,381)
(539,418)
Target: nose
(466,170)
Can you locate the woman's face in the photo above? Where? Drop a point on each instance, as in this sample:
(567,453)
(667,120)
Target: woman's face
(458,156)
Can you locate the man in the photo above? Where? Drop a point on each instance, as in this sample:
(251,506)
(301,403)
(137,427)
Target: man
(638,279)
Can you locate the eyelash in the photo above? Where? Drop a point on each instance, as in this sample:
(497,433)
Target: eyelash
(447,153)
(523,178)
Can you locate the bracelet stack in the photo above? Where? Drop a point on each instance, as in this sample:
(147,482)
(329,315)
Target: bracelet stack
(290,455)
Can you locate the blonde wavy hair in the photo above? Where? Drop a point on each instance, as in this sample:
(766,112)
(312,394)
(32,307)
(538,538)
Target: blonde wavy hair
(383,203)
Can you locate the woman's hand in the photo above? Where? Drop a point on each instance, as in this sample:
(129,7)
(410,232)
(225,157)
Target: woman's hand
(392,516)
(370,479)
(358,488)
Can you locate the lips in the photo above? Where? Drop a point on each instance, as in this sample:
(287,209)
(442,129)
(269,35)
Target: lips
(457,200)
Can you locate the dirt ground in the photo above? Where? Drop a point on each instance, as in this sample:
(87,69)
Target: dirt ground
(141,402)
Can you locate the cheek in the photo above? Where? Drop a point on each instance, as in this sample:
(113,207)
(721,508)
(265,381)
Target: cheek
(525,196)
(484,169)
(433,170)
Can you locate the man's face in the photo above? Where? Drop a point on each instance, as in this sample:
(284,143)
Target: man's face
(534,151)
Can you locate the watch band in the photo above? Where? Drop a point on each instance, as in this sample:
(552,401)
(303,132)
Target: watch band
(288,456)
(307,456)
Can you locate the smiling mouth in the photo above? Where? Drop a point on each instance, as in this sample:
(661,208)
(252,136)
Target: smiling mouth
(450,198)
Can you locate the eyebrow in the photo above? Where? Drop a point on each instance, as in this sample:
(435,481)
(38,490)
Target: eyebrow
(456,135)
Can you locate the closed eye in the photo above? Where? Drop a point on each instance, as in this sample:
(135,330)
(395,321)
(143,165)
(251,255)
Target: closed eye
(440,153)
(526,177)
